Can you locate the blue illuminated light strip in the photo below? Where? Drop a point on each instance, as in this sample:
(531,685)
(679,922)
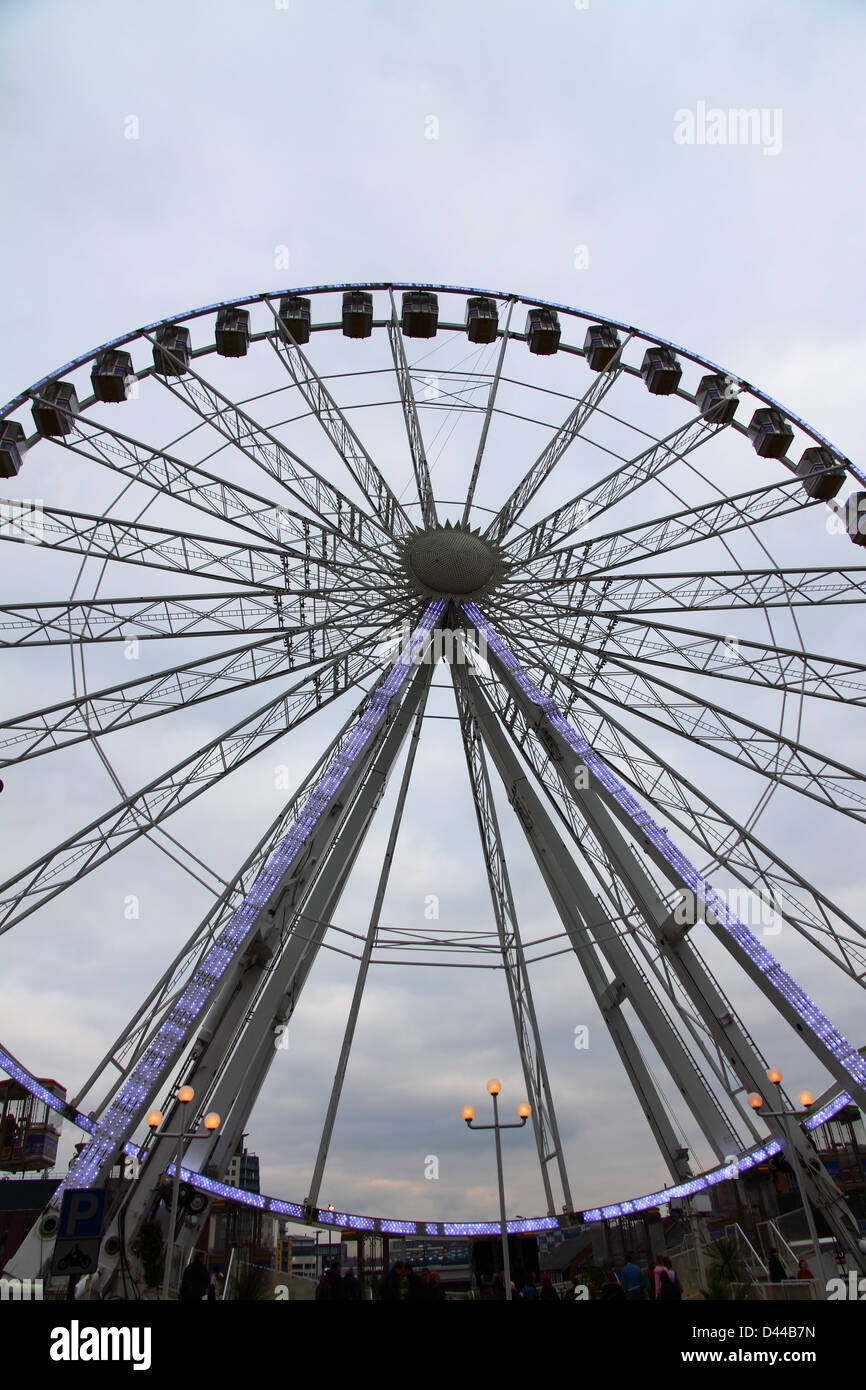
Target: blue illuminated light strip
(173,1034)
(817,1023)
(585,314)
(386,1225)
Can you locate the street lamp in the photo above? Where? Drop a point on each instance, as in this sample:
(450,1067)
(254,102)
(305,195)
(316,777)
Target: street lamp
(524,1111)
(154,1120)
(805,1098)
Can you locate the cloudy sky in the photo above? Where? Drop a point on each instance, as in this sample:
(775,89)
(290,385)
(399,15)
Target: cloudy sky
(158,157)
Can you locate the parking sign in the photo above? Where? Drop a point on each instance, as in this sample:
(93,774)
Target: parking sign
(77,1247)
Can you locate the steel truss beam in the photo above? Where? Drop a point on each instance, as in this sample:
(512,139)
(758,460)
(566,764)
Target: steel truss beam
(240,1036)
(488,414)
(549,457)
(328,505)
(605,805)
(635,473)
(410,416)
(366,957)
(382,499)
(728,843)
(158,547)
(594,938)
(598,555)
(162,617)
(528,1034)
(178,687)
(711,654)
(207,492)
(142,811)
(622,919)
(690,591)
(228,978)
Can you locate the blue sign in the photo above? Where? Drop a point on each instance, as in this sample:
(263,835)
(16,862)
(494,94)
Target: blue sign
(81,1214)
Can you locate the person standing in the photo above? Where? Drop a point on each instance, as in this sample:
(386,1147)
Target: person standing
(669,1286)
(775,1268)
(196,1281)
(631,1279)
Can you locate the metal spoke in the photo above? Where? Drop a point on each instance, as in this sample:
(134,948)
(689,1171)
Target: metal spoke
(158,547)
(623,482)
(192,683)
(692,591)
(410,416)
(547,460)
(170,617)
(328,506)
(382,499)
(737,659)
(147,808)
(708,520)
(488,414)
(778,885)
(545,1125)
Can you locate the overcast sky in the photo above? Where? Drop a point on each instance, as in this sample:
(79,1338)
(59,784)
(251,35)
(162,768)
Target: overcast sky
(157,157)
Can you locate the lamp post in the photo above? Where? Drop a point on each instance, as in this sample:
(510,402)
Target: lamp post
(154,1120)
(786,1116)
(468,1114)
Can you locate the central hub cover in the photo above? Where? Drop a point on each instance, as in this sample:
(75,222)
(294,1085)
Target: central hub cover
(452,561)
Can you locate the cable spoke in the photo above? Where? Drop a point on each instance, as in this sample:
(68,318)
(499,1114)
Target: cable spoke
(410,416)
(178,687)
(774,755)
(635,473)
(328,505)
(488,414)
(176,615)
(147,808)
(344,439)
(705,521)
(729,844)
(549,457)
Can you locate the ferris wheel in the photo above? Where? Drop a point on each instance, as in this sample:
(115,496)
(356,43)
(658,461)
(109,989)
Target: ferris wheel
(638,577)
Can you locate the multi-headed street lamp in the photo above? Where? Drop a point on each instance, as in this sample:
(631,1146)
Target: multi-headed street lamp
(524,1111)
(154,1120)
(786,1116)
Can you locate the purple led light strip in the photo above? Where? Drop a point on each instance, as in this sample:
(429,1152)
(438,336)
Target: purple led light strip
(164,1048)
(817,1023)
(350,1220)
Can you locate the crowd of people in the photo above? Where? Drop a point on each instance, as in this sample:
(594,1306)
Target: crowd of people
(336,1287)
(660,1282)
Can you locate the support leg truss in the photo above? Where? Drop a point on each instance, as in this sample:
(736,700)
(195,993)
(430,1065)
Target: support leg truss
(544,1121)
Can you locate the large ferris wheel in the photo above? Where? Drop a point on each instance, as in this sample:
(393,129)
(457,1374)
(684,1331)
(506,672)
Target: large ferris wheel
(635,573)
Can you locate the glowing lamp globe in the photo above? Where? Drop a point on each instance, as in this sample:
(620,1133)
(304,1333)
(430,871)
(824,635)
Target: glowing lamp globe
(774,1076)
(806,1099)
(524,1111)
(467,1113)
(494,1087)
(212,1120)
(154,1119)
(756,1101)
(185,1095)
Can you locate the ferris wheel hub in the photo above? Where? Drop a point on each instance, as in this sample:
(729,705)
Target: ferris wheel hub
(452,561)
